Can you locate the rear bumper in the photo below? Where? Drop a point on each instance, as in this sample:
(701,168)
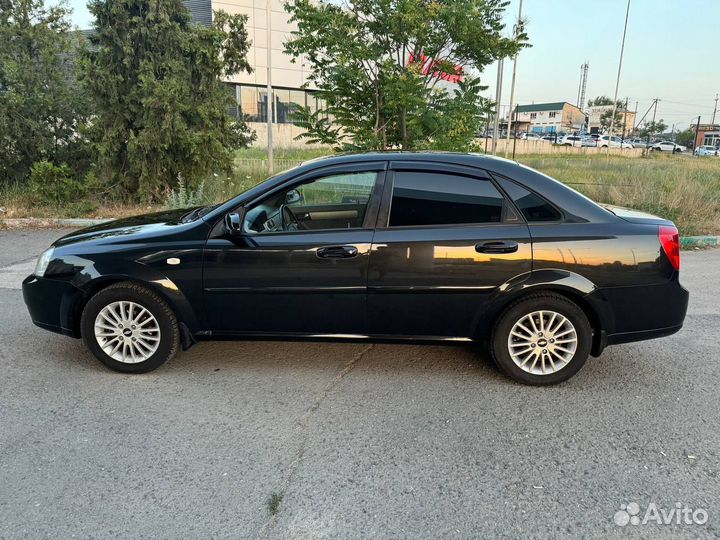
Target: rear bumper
(52,304)
(641,313)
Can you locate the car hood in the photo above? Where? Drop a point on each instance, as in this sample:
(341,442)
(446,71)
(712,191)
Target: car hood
(145,225)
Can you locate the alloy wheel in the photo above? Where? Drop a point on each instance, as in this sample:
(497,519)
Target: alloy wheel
(127,332)
(542,342)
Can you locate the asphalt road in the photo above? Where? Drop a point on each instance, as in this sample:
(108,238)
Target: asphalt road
(352,440)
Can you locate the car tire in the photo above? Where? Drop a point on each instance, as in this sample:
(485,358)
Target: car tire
(130,328)
(553,362)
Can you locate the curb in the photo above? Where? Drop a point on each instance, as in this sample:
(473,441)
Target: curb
(48,223)
(698,242)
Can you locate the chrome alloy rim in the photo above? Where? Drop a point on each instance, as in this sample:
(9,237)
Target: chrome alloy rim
(542,342)
(127,332)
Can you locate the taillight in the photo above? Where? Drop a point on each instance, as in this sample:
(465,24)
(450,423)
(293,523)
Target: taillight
(670,241)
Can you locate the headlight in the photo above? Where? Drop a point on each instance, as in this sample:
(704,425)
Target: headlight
(43,262)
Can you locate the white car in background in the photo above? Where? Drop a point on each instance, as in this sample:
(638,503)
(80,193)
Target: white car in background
(668,146)
(616,142)
(570,140)
(707,150)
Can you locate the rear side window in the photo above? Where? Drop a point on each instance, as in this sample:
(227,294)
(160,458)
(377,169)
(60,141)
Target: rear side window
(429,198)
(532,206)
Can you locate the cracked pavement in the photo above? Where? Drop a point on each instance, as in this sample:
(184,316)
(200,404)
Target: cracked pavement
(362,441)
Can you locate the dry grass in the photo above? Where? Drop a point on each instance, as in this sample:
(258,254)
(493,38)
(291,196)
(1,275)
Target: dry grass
(682,188)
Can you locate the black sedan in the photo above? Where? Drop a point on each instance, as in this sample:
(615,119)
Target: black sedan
(378,246)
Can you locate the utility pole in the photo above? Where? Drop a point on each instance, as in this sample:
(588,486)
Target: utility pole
(583,85)
(270,98)
(714,111)
(617,81)
(512,85)
(498,95)
(697,134)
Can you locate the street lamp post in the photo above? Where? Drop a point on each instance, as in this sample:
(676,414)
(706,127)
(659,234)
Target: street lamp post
(270,99)
(617,81)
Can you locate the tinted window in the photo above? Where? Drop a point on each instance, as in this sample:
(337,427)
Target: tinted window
(532,206)
(338,201)
(424,198)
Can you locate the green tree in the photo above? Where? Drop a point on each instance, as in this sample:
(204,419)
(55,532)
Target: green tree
(617,122)
(653,128)
(381,67)
(686,138)
(600,101)
(162,111)
(41,107)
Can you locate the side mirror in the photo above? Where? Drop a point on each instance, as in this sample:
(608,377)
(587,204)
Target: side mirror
(234,222)
(292,196)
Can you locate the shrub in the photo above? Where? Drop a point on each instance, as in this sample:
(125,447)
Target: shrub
(185,197)
(53,184)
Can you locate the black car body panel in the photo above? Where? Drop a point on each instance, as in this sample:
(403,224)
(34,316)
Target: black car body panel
(426,282)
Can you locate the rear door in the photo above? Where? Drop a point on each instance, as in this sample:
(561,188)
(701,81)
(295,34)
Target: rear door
(446,240)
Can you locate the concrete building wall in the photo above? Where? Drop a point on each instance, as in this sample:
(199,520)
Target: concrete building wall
(288,77)
(595,113)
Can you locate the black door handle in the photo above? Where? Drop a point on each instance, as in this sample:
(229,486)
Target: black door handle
(337,252)
(497,247)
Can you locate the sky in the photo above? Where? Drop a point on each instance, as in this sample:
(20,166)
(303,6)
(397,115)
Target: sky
(671,53)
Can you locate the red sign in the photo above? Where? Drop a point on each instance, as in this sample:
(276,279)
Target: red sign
(429,66)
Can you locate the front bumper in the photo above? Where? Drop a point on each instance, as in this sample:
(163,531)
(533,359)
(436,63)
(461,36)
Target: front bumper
(53,304)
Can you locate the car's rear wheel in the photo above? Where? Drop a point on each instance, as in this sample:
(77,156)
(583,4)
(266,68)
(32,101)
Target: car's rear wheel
(129,328)
(541,339)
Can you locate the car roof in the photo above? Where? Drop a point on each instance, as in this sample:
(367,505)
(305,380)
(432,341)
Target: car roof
(579,207)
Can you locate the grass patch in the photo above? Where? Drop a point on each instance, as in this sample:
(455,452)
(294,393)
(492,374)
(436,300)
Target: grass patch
(682,188)
(273,503)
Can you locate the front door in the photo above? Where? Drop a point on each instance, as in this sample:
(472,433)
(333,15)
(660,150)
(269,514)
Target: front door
(446,240)
(300,265)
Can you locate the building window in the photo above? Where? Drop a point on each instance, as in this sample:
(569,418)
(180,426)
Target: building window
(552,114)
(252,102)
(533,116)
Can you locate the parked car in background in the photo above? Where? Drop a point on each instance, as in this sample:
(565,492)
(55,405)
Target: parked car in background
(399,246)
(529,136)
(668,146)
(707,150)
(616,142)
(570,140)
(640,143)
(588,142)
(550,138)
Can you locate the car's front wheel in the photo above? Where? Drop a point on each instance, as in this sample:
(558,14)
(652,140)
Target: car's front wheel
(541,339)
(129,328)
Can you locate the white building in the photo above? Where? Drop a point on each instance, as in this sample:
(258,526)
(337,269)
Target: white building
(287,77)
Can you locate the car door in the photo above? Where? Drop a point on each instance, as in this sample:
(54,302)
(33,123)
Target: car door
(300,263)
(446,240)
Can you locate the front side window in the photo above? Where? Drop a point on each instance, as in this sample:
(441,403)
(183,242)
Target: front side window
(429,198)
(337,201)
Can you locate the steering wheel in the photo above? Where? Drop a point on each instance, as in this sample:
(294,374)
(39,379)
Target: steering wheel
(288,220)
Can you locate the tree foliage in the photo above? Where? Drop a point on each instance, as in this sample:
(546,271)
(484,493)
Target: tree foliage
(380,67)
(653,128)
(686,138)
(600,101)
(161,109)
(41,107)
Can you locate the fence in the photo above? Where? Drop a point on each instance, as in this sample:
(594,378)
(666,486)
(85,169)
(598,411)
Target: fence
(260,166)
(523,146)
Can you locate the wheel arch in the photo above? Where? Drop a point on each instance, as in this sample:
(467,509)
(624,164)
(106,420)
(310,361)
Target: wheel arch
(163,287)
(574,287)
